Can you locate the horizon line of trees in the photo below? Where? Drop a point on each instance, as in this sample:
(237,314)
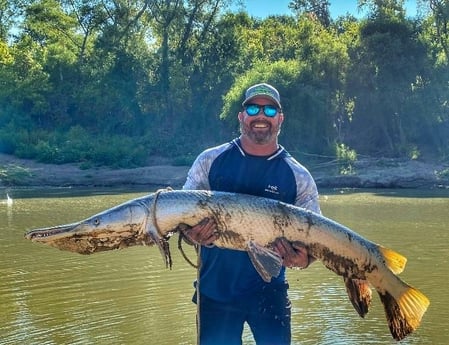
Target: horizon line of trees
(113,83)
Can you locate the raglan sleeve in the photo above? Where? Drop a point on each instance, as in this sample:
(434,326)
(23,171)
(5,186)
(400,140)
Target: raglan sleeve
(198,174)
(307,194)
(306,189)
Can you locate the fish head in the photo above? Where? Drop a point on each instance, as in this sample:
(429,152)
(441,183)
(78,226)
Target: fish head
(118,227)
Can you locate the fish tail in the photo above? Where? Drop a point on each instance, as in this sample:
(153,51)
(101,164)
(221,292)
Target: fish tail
(359,293)
(404,313)
(393,260)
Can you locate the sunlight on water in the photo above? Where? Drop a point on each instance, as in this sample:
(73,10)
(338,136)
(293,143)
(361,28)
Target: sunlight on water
(129,297)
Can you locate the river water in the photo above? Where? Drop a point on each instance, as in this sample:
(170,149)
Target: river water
(51,297)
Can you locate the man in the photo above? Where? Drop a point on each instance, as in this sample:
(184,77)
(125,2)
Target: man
(229,290)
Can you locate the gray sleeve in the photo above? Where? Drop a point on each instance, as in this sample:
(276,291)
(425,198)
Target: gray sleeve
(306,189)
(198,175)
(307,195)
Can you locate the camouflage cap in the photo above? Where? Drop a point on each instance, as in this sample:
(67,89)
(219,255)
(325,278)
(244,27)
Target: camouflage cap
(263,90)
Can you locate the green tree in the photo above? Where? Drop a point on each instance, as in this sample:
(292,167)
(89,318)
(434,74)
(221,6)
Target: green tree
(218,59)
(440,26)
(386,65)
(310,85)
(435,90)
(316,8)
(115,81)
(10,12)
(181,29)
(50,34)
(383,9)
(117,70)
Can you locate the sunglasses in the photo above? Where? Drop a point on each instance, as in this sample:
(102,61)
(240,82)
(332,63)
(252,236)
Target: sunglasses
(254,109)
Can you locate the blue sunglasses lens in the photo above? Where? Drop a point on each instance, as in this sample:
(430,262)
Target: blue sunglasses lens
(270,110)
(254,109)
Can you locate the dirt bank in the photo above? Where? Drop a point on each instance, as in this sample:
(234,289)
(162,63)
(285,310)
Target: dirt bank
(368,173)
(53,175)
(388,173)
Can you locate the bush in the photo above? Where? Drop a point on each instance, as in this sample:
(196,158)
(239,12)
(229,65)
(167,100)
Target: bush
(346,158)
(119,152)
(13,174)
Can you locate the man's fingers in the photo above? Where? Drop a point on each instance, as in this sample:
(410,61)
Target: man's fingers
(203,233)
(208,229)
(283,247)
(298,245)
(294,254)
(203,222)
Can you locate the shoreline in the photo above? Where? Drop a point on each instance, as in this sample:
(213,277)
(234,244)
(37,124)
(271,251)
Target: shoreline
(368,173)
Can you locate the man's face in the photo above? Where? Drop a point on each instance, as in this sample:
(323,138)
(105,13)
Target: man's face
(260,128)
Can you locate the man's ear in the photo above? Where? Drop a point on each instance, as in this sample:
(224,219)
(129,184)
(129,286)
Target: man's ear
(281,118)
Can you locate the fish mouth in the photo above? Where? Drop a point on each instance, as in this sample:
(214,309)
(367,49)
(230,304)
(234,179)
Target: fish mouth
(64,237)
(76,238)
(49,234)
(119,227)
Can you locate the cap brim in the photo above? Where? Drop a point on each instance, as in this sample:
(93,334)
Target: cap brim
(262,96)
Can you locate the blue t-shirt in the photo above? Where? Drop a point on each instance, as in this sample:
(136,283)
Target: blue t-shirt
(229,274)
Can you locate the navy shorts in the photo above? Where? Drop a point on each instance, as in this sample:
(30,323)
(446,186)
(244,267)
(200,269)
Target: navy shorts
(268,314)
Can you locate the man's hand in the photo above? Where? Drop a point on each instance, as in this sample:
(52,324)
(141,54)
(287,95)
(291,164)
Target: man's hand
(294,254)
(204,233)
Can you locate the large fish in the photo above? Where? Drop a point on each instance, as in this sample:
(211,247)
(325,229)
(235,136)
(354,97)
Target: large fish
(252,224)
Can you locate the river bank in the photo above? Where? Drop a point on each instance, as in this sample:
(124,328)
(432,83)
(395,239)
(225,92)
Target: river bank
(366,173)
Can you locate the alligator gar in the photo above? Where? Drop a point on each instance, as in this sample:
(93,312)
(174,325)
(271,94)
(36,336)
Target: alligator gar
(252,224)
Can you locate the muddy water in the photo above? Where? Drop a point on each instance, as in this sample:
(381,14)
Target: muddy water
(128,297)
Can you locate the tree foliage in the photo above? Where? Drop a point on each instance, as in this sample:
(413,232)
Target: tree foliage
(114,82)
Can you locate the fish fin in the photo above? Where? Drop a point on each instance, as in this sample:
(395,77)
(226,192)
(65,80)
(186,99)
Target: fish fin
(359,293)
(405,313)
(267,262)
(162,244)
(394,261)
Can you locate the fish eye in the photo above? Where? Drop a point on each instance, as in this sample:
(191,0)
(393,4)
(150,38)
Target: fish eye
(97,221)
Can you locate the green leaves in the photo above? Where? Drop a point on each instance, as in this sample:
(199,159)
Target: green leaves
(167,77)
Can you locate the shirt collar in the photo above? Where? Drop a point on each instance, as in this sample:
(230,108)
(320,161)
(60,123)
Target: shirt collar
(279,151)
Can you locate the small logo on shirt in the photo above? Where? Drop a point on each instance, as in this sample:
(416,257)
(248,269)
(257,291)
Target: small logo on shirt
(272,189)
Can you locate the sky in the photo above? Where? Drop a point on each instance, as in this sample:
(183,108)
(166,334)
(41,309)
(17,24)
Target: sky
(263,8)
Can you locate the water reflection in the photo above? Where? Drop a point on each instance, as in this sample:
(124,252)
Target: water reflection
(128,297)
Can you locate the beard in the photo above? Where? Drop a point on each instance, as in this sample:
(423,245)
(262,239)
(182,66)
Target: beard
(260,135)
